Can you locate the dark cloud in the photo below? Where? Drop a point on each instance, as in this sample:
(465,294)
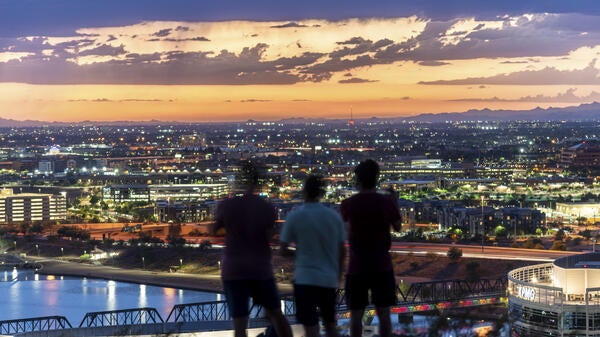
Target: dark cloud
(104,50)
(247,67)
(301,100)
(355,80)
(111,38)
(197,38)
(163,32)
(433,63)
(546,76)
(290,25)
(360,46)
(182,29)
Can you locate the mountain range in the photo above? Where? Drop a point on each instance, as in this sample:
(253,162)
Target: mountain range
(582,112)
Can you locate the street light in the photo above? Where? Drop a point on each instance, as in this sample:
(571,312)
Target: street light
(180,263)
(143,263)
(62,251)
(482,225)
(38,250)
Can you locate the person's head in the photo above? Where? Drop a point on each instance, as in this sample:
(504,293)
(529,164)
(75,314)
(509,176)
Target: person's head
(367,173)
(248,177)
(314,188)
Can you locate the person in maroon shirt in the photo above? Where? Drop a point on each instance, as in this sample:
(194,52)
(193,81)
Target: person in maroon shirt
(370,216)
(247,268)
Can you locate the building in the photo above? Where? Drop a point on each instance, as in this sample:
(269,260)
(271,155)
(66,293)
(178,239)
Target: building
(583,157)
(578,210)
(31,207)
(556,299)
(151,193)
(184,211)
(469,219)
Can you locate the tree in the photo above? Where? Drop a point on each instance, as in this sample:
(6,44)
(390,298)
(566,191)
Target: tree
(558,245)
(560,235)
(174,234)
(95,199)
(454,254)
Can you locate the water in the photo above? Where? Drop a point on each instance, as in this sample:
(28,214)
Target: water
(24,294)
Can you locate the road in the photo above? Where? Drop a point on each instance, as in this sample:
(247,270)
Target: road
(488,252)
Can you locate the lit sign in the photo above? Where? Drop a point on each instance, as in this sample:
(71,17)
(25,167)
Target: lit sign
(526,293)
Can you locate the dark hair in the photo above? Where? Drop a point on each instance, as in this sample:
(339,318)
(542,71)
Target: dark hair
(367,173)
(249,174)
(314,187)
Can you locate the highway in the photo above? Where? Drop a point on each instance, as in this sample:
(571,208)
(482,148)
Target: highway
(475,251)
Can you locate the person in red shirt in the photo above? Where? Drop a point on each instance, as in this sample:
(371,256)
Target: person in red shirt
(370,216)
(247,268)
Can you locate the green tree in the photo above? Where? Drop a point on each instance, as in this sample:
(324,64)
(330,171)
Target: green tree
(558,245)
(454,254)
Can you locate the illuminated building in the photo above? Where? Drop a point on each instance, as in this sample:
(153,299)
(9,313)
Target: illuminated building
(581,157)
(30,207)
(148,193)
(556,299)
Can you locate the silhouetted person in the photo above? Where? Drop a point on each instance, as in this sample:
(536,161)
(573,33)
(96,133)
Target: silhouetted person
(370,216)
(247,269)
(319,234)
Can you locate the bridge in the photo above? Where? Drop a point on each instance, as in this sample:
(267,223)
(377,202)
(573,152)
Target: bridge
(206,316)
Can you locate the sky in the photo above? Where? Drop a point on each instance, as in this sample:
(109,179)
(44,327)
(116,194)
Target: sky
(202,61)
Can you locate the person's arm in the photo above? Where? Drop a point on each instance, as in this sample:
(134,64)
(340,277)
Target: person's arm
(396,218)
(397,226)
(286,236)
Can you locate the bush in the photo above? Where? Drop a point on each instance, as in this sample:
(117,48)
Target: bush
(558,245)
(454,254)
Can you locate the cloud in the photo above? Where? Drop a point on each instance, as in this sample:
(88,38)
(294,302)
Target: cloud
(355,80)
(103,50)
(547,76)
(253,100)
(433,63)
(290,25)
(566,97)
(318,52)
(163,32)
(197,38)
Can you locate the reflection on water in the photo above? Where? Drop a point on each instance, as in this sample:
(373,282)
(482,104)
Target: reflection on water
(24,294)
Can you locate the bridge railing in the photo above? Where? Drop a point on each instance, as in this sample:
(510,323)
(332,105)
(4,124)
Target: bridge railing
(217,312)
(15,326)
(121,317)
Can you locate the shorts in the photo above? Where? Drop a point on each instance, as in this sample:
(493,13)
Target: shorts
(239,292)
(309,298)
(382,286)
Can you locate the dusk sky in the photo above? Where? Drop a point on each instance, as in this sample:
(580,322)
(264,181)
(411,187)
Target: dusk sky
(185,60)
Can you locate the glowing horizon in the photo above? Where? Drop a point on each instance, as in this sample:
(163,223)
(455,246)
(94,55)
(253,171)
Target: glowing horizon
(230,70)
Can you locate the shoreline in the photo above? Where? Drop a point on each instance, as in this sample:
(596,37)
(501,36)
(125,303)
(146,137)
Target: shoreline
(198,282)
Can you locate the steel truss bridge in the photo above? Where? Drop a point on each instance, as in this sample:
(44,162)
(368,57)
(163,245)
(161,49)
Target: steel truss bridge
(207,316)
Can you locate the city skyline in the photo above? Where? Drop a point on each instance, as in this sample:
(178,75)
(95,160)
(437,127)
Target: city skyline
(103,61)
